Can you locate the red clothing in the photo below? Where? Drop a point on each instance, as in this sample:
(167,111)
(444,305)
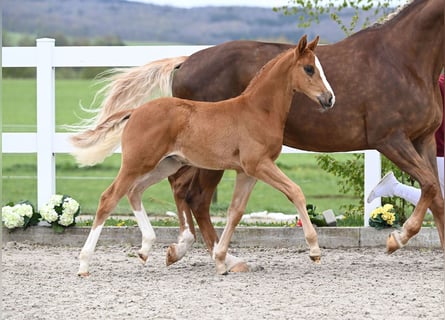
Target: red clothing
(440,132)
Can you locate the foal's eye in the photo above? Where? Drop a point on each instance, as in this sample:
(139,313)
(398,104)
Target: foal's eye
(309,70)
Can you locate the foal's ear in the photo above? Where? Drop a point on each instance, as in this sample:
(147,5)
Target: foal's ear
(302,45)
(313,44)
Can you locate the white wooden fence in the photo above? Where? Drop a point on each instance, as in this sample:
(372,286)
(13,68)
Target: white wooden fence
(46,142)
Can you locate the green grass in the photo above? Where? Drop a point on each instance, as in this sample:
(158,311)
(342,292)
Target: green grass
(19,102)
(86,184)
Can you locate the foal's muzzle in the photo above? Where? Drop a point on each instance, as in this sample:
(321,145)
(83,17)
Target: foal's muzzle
(326,99)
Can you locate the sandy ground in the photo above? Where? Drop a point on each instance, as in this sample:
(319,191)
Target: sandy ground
(40,282)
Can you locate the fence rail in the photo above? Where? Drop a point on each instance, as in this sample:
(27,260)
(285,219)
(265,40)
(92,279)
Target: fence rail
(45,57)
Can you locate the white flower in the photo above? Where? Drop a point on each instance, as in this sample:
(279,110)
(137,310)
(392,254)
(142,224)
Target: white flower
(60,210)
(48,213)
(23,209)
(66,219)
(70,206)
(6,210)
(11,218)
(55,200)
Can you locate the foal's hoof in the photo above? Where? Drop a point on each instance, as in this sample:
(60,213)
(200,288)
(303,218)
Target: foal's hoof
(83,274)
(223,273)
(316,259)
(142,257)
(240,267)
(393,242)
(171,256)
(222,270)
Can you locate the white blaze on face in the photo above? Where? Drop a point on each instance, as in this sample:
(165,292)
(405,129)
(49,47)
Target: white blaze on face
(323,78)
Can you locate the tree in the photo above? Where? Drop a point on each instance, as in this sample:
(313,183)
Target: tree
(309,11)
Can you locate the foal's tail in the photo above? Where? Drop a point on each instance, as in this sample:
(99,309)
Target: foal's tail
(130,88)
(94,145)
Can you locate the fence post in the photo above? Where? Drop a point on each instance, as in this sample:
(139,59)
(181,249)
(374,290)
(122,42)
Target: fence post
(46,173)
(372,177)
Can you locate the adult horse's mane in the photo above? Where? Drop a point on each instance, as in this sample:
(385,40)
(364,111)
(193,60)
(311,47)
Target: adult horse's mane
(269,65)
(399,12)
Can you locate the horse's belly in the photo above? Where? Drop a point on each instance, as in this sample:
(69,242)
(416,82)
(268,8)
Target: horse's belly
(206,159)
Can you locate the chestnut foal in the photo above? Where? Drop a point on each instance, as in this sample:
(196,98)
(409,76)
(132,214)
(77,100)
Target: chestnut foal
(243,133)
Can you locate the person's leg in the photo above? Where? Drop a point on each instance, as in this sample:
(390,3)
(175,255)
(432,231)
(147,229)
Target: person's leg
(440,169)
(385,187)
(389,186)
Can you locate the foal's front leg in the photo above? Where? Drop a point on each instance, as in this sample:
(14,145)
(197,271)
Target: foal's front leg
(269,172)
(243,187)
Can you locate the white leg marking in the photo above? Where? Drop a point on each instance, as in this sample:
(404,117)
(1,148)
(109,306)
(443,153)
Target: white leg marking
(148,233)
(323,77)
(221,267)
(215,248)
(185,239)
(88,249)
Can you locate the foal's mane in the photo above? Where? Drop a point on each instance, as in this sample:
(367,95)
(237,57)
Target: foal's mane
(269,65)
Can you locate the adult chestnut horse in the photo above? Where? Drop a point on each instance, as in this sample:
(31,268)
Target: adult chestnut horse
(166,134)
(385,80)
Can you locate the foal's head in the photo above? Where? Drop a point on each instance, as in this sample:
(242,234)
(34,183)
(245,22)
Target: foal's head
(308,76)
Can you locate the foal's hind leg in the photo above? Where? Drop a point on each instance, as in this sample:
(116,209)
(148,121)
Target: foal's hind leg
(268,172)
(165,168)
(108,202)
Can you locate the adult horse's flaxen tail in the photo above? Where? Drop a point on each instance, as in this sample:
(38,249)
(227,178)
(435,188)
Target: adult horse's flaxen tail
(132,87)
(94,145)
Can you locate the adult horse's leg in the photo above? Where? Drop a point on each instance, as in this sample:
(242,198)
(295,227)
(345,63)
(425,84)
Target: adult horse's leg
(243,187)
(193,190)
(179,183)
(422,168)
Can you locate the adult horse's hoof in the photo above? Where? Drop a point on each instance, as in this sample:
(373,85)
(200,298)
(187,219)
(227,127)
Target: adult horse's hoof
(171,256)
(240,267)
(393,242)
(83,274)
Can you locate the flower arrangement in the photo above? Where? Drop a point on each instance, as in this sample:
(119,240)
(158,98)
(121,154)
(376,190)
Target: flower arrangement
(60,211)
(384,217)
(19,215)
